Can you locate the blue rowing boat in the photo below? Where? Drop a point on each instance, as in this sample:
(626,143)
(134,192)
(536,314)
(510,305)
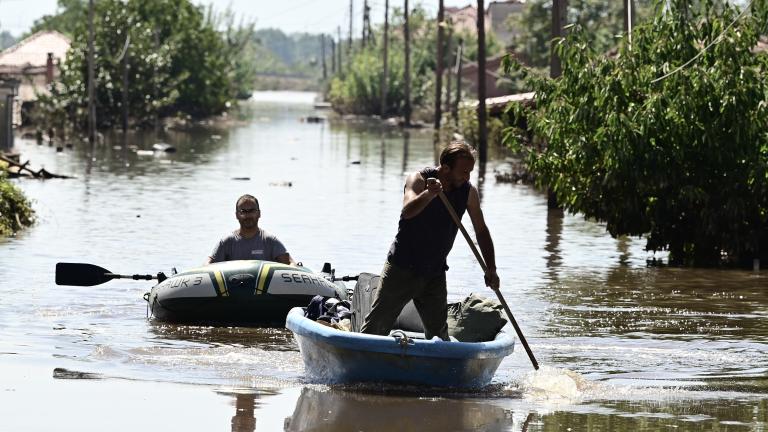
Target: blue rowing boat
(336,356)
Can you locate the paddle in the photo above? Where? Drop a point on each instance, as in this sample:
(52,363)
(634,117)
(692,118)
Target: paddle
(480,260)
(79,274)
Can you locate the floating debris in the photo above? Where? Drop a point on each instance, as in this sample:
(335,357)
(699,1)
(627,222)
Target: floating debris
(313,119)
(241,178)
(163,147)
(62,373)
(16,169)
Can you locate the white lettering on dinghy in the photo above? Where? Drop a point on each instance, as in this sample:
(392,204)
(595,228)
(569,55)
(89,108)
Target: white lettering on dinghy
(185,281)
(302,278)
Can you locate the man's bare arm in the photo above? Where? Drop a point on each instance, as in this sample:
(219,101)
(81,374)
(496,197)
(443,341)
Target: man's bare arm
(418,194)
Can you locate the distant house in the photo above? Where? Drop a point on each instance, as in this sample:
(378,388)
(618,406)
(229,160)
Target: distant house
(492,77)
(498,14)
(464,19)
(34,62)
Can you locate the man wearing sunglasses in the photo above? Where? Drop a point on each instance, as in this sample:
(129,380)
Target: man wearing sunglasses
(250,241)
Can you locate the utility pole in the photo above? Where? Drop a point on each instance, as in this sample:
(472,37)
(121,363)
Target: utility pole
(559,10)
(338,35)
(629,18)
(322,55)
(126,54)
(333,54)
(407,37)
(448,75)
(91,77)
(385,74)
(351,16)
(481,114)
(364,39)
(439,70)
(459,61)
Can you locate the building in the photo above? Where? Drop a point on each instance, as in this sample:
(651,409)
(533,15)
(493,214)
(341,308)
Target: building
(499,13)
(464,19)
(8,91)
(34,62)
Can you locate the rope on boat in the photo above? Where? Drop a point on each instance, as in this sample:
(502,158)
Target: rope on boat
(403,340)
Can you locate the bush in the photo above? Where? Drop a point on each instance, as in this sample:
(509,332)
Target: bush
(677,156)
(15,210)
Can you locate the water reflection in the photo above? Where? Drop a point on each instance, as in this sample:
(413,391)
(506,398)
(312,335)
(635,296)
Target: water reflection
(246,403)
(333,410)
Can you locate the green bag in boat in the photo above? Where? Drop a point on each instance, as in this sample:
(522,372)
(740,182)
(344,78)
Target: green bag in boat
(475,319)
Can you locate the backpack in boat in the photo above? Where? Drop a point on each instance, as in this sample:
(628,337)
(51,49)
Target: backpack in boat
(475,319)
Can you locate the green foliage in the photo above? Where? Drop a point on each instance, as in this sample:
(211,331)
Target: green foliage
(68,21)
(15,210)
(6,40)
(681,158)
(296,54)
(469,127)
(178,63)
(357,89)
(601,20)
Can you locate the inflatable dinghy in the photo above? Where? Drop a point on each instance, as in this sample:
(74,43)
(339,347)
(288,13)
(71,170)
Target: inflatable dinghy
(239,293)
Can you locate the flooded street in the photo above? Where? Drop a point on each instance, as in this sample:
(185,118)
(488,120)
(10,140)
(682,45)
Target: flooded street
(623,346)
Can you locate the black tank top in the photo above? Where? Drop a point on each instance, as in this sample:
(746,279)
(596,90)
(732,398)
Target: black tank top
(423,241)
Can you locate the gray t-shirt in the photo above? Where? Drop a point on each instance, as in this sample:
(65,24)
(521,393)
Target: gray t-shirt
(262,246)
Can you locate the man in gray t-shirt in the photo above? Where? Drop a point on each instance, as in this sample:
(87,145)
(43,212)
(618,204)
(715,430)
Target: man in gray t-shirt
(250,242)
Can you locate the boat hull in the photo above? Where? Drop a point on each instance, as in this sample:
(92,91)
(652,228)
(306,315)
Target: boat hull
(335,356)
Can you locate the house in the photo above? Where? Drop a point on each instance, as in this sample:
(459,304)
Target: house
(464,19)
(34,62)
(497,15)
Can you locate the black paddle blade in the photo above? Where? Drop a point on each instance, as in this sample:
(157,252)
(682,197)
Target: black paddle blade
(79,274)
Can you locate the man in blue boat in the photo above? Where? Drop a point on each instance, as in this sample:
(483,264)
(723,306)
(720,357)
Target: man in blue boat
(249,242)
(416,263)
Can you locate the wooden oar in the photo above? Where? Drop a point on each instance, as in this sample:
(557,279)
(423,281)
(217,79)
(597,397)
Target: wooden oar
(480,260)
(79,274)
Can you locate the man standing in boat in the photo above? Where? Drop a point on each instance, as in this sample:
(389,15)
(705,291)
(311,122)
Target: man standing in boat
(249,242)
(416,263)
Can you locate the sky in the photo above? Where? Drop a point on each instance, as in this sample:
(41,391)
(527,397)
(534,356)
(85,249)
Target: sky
(313,16)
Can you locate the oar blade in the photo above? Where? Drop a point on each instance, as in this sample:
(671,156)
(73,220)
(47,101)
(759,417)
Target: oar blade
(81,274)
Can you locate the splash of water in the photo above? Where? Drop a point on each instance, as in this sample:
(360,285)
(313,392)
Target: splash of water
(554,385)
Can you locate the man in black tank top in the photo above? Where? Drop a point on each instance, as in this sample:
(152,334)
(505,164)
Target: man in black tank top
(416,263)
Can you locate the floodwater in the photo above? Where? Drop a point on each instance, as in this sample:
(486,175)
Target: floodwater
(623,345)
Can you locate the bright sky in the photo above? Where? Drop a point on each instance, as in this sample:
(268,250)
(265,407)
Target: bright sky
(313,16)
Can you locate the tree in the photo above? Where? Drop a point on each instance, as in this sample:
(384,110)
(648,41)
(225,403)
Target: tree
(601,20)
(179,63)
(666,140)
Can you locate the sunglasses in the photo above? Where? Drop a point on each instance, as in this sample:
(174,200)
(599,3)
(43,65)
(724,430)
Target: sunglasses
(247,211)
